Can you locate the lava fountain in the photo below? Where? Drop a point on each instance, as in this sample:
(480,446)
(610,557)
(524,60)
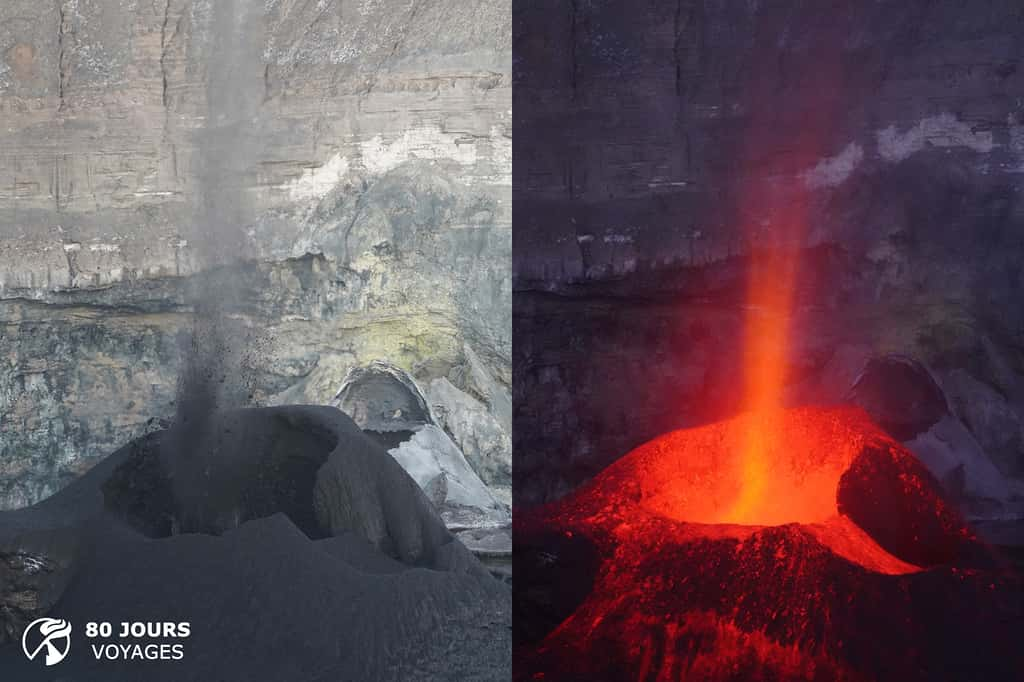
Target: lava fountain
(783,543)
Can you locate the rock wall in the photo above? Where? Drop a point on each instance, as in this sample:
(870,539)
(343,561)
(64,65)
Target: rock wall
(342,169)
(664,145)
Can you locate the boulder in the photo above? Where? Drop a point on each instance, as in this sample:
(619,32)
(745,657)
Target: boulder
(386,402)
(478,432)
(954,456)
(900,394)
(439,467)
(992,419)
(906,399)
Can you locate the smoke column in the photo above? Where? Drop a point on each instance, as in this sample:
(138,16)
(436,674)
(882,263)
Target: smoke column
(230,34)
(226,155)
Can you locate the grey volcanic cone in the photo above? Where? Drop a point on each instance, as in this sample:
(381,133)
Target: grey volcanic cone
(300,550)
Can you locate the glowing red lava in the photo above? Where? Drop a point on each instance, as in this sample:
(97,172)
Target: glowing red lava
(705,475)
(833,561)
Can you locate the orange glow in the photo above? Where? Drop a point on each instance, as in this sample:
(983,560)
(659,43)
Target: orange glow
(783,543)
(691,585)
(775,219)
(696,475)
(765,468)
(770,296)
(771,283)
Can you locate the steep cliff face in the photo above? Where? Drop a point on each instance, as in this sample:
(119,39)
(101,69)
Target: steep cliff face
(653,128)
(663,147)
(336,176)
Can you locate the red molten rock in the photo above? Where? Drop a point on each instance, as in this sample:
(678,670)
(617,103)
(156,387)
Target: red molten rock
(791,544)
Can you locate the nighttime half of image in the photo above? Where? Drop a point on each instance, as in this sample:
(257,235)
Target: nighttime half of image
(768,323)
(255,340)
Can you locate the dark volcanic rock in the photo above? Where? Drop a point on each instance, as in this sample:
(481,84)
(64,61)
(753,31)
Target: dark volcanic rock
(776,604)
(248,464)
(895,500)
(900,395)
(381,503)
(390,595)
(556,574)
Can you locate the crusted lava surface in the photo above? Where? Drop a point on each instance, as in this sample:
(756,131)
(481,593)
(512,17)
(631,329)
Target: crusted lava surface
(830,555)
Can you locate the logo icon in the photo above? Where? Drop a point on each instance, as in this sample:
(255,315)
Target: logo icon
(51,634)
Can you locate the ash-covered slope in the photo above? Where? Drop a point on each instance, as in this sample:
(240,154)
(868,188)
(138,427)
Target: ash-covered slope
(652,571)
(318,559)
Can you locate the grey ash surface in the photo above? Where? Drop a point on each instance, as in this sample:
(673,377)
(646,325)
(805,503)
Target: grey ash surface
(347,574)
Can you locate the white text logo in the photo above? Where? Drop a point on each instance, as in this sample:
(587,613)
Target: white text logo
(50,634)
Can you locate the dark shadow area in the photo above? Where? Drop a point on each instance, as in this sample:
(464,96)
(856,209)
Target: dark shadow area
(556,574)
(248,470)
(389,440)
(900,395)
(381,397)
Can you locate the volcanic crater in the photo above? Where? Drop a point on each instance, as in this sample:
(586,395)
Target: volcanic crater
(799,543)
